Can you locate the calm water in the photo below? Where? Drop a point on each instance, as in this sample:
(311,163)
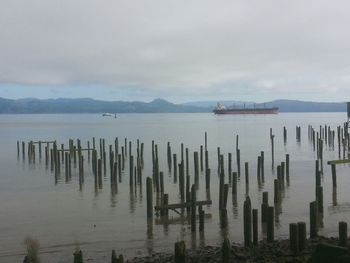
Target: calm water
(62,217)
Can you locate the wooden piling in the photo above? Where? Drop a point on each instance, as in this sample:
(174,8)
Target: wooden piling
(131,170)
(264,206)
(226,251)
(276,191)
(270,224)
(234,183)
(343,234)
(238,160)
(287,167)
(313,219)
(180,252)
(193,208)
(262,166)
(247,222)
(226,186)
(229,168)
(201,219)
(161,175)
(201,157)
(78,257)
(302,235)
(207,179)
(319,198)
(255,227)
(196,169)
(99,172)
(246,172)
(175,167)
(294,238)
(334,175)
(149,193)
(187,163)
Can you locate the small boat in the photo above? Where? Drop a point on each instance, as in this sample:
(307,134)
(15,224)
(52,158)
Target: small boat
(221,109)
(106,114)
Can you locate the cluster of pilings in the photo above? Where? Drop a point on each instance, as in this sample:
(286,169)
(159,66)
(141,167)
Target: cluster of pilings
(58,156)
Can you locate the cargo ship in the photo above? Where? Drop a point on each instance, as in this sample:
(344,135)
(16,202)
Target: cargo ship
(221,109)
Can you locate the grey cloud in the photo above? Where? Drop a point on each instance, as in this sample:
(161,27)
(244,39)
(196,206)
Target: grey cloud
(177,47)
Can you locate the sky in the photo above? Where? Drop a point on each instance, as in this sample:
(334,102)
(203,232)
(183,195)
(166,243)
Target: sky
(180,50)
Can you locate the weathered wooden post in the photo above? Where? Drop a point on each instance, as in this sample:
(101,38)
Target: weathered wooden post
(272,147)
(115,173)
(23,149)
(193,208)
(313,219)
(258,170)
(294,238)
(123,158)
(247,222)
(207,179)
(319,198)
(270,224)
(302,235)
(343,234)
(221,185)
(224,205)
(206,160)
(276,191)
(238,159)
(264,206)
(78,257)
(201,157)
(187,163)
(201,218)
(66,167)
(255,227)
(262,166)
(246,172)
(226,251)
(234,183)
(180,252)
(99,171)
(149,193)
(161,175)
(17,148)
(131,170)
(116,259)
(287,167)
(219,156)
(196,169)
(182,181)
(175,166)
(334,175)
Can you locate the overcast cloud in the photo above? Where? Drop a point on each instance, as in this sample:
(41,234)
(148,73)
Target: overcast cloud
(180,50)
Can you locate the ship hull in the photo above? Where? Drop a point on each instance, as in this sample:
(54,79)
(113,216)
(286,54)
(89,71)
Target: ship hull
(247,111)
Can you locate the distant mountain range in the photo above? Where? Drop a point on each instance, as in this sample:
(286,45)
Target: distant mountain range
(85,105)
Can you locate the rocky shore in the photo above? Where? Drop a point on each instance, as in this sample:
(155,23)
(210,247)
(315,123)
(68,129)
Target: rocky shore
(320,250)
